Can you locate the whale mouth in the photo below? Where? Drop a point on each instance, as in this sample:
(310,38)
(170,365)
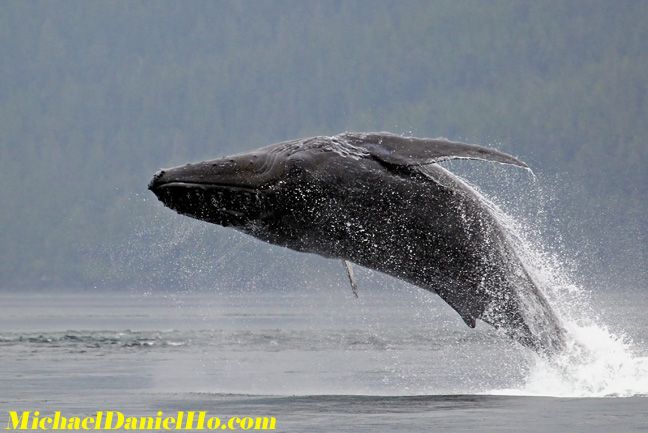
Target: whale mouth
(222,204)
(154,186)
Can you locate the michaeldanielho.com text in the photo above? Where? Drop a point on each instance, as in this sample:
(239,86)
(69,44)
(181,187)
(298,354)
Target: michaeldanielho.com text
(116,420)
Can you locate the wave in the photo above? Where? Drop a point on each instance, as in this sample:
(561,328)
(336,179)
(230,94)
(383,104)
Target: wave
(94,339)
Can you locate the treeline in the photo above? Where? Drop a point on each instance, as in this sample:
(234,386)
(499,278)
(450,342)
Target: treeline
(95,96)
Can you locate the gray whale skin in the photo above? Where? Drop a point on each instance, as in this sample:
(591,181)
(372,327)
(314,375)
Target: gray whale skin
(381,201)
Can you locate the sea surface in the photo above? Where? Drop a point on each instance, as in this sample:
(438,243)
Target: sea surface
(395,359)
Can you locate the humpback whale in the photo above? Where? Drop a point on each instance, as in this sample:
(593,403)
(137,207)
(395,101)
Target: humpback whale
(381,201)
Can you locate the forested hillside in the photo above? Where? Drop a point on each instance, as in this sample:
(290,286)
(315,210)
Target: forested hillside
(95,96)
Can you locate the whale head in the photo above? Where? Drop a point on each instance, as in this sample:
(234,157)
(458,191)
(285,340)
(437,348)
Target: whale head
(285,194)
(227,191)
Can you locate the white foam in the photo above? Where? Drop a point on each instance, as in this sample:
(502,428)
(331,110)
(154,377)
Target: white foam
(596,363)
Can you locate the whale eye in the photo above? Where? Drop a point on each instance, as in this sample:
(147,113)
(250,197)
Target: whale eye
(296,167)
(296,170)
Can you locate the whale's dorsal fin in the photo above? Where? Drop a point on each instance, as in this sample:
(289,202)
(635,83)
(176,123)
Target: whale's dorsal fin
(410,151)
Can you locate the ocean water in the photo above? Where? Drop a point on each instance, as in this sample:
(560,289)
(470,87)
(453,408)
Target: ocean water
(395,359)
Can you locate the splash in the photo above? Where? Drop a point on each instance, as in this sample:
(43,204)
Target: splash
(596,362)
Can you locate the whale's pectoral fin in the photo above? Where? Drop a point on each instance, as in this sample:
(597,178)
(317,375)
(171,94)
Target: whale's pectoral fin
(349,271)
(408,151)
